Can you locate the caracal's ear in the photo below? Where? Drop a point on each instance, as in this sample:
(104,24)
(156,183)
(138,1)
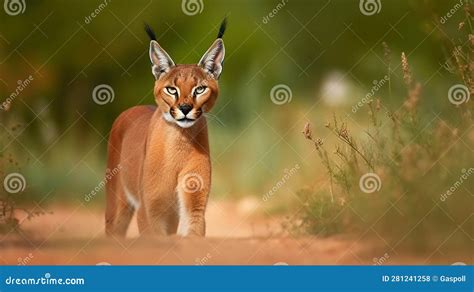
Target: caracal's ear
(160,60)
(213,59)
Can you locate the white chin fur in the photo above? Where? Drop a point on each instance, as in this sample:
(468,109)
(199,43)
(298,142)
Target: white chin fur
(182,124)
(167,116)
(185,124)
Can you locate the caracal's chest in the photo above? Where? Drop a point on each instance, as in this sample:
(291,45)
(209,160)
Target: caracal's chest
(170,152)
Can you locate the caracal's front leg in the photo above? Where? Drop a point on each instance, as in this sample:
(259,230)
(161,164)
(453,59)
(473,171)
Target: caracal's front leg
(193,190)
(159,206)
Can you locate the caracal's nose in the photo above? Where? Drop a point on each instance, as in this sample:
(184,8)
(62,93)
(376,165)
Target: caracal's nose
(185,108)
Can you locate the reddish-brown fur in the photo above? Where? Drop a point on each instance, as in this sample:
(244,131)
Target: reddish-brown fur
(163,152)
(155,155)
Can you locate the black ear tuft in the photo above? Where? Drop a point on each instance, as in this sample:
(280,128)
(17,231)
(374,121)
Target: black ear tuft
(150,32)
(222,28)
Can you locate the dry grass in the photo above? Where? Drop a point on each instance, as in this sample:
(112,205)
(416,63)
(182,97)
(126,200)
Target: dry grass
(9,163)
(425,166)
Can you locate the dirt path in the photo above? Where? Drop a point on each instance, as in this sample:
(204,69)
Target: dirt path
(238,233)
(223,218)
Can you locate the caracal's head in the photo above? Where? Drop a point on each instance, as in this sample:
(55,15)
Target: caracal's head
(185,92)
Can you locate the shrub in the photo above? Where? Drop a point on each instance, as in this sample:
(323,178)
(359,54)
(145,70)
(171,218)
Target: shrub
(408,180)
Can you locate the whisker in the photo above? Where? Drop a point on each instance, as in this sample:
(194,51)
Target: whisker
(214,117)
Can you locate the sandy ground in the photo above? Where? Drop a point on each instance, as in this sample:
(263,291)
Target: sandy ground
(237,233)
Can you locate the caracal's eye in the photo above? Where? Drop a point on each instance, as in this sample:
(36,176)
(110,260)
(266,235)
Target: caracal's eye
(199,90)
(171,90)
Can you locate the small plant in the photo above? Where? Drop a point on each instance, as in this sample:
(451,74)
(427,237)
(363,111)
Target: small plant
(8,222)
(9,207)
(407,180)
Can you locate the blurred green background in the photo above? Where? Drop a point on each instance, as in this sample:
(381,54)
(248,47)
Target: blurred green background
(327,52)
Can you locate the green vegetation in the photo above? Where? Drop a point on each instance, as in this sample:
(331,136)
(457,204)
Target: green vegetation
(404,179)
(328,53)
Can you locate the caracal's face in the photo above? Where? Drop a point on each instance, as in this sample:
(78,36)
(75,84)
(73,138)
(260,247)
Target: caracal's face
(185,93)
